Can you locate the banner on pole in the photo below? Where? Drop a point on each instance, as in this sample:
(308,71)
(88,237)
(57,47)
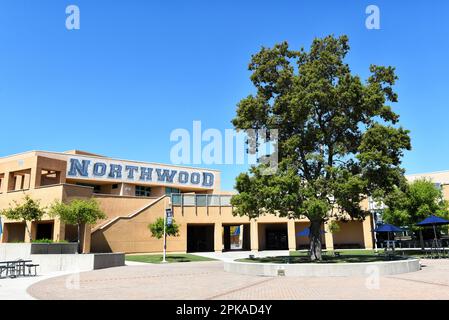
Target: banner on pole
(169,214)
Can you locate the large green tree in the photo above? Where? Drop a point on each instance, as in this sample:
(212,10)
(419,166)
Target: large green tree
(338,139)
(414,202)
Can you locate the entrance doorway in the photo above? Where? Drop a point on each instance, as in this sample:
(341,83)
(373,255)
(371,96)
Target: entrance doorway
(236,237)
(44,231)
(277,239)
(273,236)
(200,238)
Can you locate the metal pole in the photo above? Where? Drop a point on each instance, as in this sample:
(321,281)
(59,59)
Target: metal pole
(165,238)
(374,232)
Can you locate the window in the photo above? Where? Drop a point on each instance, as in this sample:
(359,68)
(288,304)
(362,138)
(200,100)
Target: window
(142,191)
(97,188)
(114,186)
(169,190)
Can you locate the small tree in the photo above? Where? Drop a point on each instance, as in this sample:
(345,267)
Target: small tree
(29,211)
(157,229)
(78,212)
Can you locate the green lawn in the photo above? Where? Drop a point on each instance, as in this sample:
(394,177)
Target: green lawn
(342,252)
(360,252)
(345,256)
(171,258)
(326,259)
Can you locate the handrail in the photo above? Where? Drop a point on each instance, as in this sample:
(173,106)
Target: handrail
(128,216)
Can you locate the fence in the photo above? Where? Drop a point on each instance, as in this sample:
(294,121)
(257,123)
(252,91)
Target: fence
(200,200)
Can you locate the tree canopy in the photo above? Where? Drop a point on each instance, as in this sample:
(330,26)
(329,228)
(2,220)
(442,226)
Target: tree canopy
(157,229)
(338,138)
(27,211)
(78,211)
(413,203)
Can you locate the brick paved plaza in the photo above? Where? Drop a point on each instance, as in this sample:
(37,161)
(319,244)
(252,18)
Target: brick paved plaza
(207,280)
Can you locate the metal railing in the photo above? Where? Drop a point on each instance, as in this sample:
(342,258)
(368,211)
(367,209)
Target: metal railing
(200,200)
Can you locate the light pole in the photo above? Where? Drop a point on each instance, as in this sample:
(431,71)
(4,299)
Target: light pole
(165,238)
(167,214)
(373,212)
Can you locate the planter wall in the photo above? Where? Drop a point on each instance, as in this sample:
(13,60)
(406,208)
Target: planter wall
(66,258)
(323,269)
(54,248)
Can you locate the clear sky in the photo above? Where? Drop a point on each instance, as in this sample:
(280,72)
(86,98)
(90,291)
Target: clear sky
(136,70)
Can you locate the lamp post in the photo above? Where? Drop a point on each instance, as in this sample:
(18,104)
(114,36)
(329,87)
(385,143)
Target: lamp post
(165,238)
(168,220)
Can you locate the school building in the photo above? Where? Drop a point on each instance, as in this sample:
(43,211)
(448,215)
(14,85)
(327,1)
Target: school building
(134,194)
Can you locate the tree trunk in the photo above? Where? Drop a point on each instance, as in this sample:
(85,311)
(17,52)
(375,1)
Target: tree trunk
(421,240)
(315,240)
(28,231)
(79,238)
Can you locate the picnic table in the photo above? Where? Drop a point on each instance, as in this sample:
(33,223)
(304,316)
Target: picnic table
(437,250)
(17,268)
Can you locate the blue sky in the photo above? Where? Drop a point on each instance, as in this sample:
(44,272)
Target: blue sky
(136,70)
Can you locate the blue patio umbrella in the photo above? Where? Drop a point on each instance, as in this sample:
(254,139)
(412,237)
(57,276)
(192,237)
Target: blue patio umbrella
(386,227)
(433,221)
(306,232)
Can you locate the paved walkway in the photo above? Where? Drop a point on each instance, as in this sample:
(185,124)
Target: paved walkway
(16,289)
(208,280)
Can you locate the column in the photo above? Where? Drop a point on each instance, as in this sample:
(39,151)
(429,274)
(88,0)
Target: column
(328,237)
(58,230)
(35,180)
(5,183)
(291,231)
(85,238)
(218,237)
(367,232)
(254,236)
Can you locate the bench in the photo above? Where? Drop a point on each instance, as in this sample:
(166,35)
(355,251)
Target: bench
(29,268)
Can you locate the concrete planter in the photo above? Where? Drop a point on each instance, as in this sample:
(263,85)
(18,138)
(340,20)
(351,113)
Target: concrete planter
(66,258)
(77,262)
(323,269)
(54,248)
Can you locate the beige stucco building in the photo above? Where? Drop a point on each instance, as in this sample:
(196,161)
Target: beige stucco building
(134,194)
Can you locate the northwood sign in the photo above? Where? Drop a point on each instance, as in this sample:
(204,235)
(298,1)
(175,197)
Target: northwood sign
(95,169)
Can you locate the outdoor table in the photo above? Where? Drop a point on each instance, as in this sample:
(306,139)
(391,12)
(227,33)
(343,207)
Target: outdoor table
(437,249)
(390,244)
(17,267)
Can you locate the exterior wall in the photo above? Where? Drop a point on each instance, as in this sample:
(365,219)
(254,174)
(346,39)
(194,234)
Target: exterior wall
(117,206)
(131,234)
(126,226)
(351,233)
